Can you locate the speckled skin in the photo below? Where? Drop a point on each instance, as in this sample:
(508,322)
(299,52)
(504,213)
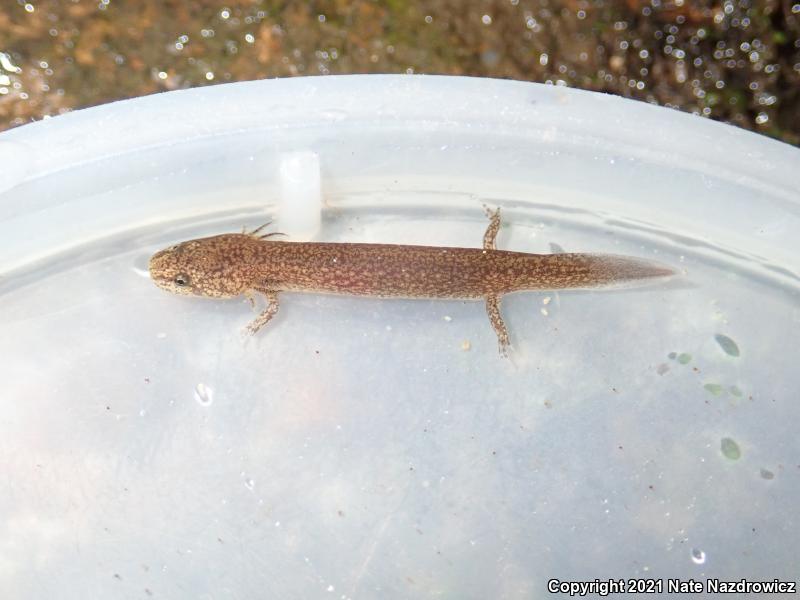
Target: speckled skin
(225,266)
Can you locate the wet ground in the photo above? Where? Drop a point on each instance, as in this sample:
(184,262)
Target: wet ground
(735,60)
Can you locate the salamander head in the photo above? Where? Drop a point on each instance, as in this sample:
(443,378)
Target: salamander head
(215,267)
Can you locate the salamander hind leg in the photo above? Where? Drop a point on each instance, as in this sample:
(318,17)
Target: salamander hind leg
(494,226)
(267,314)
(499,326)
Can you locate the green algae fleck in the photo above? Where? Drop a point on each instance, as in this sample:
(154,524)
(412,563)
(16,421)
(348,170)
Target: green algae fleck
(730,449)
(727,344)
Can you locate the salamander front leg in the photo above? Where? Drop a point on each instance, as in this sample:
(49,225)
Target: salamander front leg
(267,314)
(494,226)
(250,295)
(496,319)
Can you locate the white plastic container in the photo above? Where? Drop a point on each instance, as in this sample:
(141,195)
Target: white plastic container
(361,448)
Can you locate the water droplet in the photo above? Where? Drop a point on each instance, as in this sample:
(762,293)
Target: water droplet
(698,556)
(203,394)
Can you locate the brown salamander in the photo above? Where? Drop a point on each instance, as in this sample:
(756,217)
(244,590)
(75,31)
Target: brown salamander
(229,265)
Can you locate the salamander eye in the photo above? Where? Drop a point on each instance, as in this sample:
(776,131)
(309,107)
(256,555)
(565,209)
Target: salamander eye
(181,280)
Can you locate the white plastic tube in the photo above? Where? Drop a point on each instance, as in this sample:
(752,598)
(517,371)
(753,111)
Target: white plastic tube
(300,197)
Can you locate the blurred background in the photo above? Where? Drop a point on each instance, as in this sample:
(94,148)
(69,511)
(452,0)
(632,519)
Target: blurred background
(735,60)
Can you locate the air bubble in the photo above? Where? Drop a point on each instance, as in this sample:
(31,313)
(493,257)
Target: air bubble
(203,394)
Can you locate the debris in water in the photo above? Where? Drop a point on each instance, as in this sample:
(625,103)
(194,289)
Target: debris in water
(730,449)
(727,344)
